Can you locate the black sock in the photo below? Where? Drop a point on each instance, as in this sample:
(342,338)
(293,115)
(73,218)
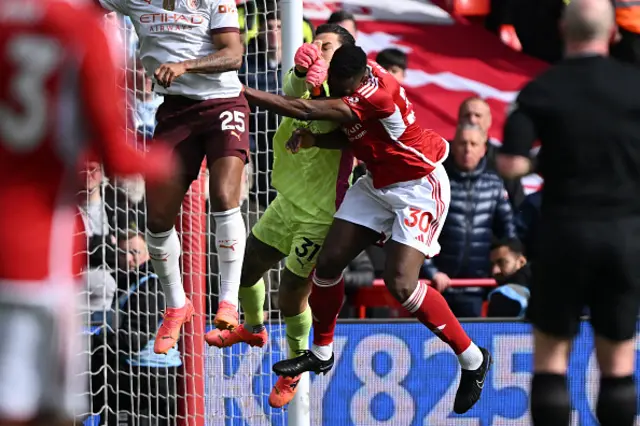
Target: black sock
(550,403)
(617,401)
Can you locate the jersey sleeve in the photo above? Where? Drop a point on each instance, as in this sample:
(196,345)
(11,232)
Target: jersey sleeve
(224,16)
(370,103)
(113,6)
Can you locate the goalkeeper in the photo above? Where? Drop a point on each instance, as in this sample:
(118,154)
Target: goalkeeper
(310,185)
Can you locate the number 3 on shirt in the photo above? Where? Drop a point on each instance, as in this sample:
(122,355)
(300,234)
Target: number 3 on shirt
(33,58)
(420,218)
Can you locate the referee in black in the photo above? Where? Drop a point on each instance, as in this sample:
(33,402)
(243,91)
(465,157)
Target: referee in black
(585,111)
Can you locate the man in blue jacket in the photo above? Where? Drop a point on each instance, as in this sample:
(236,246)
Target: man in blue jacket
(479,211)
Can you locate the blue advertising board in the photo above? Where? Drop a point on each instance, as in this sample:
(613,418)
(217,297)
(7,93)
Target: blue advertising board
(395,374)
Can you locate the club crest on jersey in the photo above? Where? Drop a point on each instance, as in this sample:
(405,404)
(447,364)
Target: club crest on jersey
(192,5)
(353,99)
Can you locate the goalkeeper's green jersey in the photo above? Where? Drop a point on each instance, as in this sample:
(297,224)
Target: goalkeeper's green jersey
(313,179)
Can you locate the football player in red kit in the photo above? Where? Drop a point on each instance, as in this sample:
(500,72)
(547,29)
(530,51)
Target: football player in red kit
(405,197)
(58,100)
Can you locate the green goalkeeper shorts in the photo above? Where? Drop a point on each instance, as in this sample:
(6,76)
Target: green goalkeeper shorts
(293,232)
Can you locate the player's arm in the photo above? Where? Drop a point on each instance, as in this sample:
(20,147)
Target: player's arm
(228,55)
(302,109)
(294,84)
(303,138)
(103,106)
(519,136)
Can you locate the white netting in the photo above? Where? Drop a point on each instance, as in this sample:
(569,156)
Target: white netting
(122,298)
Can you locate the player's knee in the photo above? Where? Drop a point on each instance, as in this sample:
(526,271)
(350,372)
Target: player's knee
(328,265)
(223,198)
(158,222)
(400,285)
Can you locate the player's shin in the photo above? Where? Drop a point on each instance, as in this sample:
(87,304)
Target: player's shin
(164,251)
(252,300)
(428,306)
(230,243)
(298,329)
(327,296)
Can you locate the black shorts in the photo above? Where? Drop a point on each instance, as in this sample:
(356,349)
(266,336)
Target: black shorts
(587,264)
(214,128)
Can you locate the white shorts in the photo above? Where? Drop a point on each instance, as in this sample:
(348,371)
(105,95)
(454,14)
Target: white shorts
(410,213)
(41,357)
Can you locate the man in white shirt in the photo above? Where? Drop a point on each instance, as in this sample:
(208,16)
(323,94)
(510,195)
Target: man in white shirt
(192,50)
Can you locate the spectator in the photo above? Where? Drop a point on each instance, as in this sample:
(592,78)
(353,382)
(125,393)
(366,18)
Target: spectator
(475,111)
(479,211)
(144,384)
(346,20)
(627,46)
(395,61)
(513,275)
(527,220)
(146,101)
(262,70)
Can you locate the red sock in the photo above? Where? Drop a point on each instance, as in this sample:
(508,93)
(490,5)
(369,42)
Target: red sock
(428,305)
(325,301)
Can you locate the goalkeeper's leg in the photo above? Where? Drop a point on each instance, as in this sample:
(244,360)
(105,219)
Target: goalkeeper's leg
(293,295)
(258,259)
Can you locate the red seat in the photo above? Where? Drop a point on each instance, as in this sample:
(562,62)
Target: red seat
(377,296)
(469,7)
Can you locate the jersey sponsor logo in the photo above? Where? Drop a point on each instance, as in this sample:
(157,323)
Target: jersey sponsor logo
(227,8)
(171,18)
(192,5)
(355,132)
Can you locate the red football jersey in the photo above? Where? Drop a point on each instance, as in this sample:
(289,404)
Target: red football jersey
(387,138)
(58,99)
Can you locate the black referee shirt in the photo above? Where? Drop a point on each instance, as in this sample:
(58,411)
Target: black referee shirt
(586,113)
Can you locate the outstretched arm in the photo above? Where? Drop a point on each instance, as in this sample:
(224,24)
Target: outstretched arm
(302,109)
(332,140)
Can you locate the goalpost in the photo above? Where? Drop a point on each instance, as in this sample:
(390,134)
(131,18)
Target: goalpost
(212,386)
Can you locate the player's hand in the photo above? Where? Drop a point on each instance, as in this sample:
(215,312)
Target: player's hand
(301,138)
(441,281)
(317,73)
(166,73)
(305,56)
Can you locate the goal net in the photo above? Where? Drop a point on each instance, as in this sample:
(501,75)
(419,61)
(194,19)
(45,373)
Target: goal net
(122,299)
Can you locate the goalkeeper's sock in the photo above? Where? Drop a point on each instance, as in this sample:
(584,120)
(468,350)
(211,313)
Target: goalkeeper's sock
(252,299)
(231,237)
(298,329)
(327,296)
(164,251)
(428,305)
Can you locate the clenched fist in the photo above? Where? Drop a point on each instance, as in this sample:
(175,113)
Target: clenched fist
(305,56)
(166,73)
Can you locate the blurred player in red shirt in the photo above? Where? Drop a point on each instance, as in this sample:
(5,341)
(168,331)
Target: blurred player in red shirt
(404,197)
(58,100)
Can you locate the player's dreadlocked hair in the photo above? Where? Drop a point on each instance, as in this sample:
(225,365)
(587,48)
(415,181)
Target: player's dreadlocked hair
(348,61)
